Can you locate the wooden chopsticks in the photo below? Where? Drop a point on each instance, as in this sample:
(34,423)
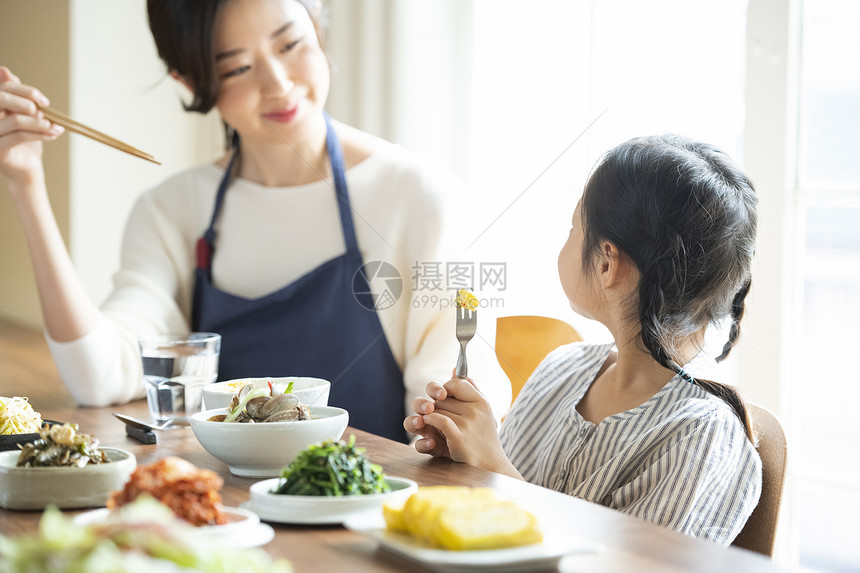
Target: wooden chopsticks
(62,119)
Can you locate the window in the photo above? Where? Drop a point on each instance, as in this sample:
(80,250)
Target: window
(824,510)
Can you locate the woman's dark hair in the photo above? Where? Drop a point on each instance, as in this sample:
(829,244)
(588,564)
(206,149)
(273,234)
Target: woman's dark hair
(183,31)
(685,214)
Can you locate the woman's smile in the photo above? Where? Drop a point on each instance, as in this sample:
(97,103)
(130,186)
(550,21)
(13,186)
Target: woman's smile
(283,115)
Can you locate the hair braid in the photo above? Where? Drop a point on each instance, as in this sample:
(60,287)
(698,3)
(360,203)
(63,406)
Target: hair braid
(655,335)
(738,307)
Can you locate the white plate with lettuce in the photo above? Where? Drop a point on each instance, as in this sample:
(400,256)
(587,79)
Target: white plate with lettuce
(141,536)
(243,527)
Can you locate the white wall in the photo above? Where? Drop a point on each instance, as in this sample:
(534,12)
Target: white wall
(29,31)
(119,86)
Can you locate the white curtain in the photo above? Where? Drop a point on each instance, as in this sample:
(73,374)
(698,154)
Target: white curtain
(402,70)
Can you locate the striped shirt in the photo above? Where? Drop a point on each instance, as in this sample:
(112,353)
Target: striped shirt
(681,459)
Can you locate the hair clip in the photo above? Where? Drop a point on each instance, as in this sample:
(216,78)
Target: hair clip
(685,376)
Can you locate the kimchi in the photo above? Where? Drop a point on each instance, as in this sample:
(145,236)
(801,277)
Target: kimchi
(192,493)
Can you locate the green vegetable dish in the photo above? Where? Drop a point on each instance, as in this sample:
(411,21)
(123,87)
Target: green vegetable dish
(332,468)
(61,446)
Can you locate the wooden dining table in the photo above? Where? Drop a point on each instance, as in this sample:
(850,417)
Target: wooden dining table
(626,543)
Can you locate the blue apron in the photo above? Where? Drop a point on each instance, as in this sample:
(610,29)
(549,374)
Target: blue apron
(312,327)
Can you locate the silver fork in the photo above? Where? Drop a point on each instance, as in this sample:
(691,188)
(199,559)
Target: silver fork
(467,324)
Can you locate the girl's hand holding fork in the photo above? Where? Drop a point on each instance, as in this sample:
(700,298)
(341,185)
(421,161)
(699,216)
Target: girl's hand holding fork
(458,423)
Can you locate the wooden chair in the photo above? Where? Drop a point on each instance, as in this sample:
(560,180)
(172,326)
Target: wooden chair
(759,532)
(522,342)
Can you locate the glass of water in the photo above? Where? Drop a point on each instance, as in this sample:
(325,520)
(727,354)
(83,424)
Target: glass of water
(175,369)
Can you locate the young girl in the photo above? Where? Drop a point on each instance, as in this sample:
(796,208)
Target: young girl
(267,246)
(660,246)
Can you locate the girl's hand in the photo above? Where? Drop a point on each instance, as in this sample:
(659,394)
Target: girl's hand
(464,426)
(22,128)
(432,442)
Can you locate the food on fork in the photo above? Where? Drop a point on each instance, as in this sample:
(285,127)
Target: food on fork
(192,493)
(463,518)
(466,326)
(18,417)
(254,405)
(466,299)
(332,468)
(61,445)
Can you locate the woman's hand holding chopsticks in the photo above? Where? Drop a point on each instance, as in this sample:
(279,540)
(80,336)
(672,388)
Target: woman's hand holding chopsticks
(67,309)
(23,128)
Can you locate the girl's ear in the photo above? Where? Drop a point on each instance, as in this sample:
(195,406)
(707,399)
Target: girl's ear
(175,75)
(614,268)
(607,264)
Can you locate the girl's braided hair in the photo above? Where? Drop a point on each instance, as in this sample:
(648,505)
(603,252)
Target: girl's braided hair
(686,216)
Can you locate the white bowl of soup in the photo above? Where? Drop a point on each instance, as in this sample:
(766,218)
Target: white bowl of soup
(310,391)
(264,449)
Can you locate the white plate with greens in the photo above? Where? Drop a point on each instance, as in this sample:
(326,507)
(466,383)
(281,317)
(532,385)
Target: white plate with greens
(318,509)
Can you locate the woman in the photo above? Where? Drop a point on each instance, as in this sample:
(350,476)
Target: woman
(268,246)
